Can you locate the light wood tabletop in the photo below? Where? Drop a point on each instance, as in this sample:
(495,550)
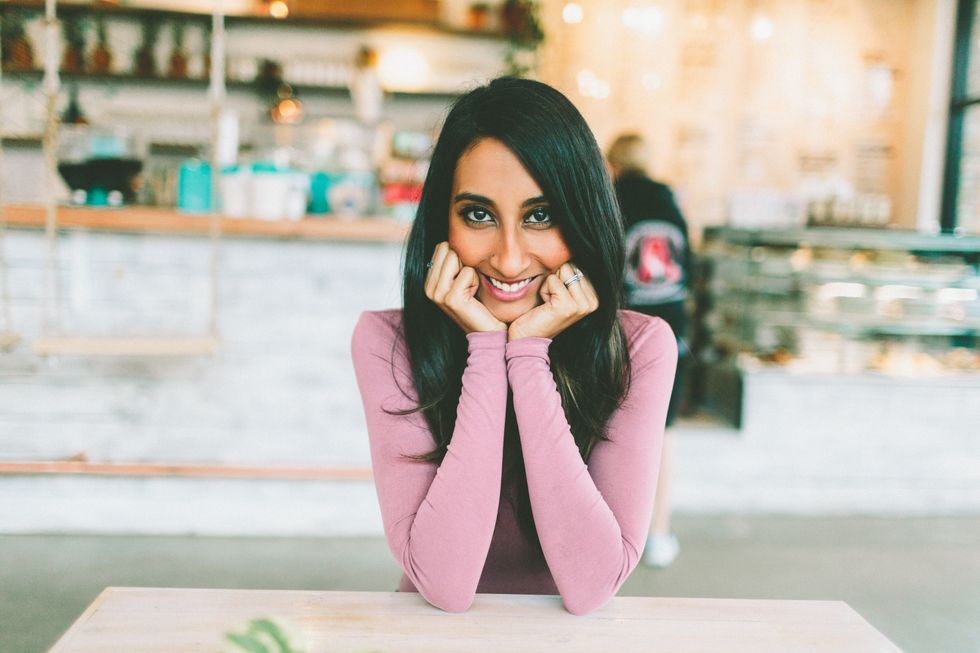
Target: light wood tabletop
(145,620)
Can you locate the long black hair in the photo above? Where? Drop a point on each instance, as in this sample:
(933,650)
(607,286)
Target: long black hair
(589,360)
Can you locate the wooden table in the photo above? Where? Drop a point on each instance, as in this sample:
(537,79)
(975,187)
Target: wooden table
(138,620)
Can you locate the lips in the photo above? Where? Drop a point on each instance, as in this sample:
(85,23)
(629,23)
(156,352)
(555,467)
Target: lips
(505,295)
(513,286)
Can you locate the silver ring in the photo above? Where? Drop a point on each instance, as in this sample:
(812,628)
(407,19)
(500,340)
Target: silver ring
(574,278)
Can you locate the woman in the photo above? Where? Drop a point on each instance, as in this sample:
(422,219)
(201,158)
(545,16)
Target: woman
(511,365)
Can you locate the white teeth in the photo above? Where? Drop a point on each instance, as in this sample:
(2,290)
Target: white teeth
(509,287)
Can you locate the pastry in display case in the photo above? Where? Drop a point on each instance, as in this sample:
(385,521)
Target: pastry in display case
(839,301)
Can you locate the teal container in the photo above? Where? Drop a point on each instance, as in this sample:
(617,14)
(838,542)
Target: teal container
(319,187)
(194,187)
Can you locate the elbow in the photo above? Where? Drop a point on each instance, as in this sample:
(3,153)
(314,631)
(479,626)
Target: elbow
(446,589)
(448,600)
(585,603)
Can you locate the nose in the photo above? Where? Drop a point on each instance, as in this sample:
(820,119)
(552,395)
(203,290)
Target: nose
(510,256)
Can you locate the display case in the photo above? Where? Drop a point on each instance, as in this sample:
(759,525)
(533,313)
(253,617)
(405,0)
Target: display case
(834,302)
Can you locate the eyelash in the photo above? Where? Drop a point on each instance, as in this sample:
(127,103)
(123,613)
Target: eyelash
(466,213)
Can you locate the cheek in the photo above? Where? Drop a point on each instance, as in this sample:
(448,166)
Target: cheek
(555,252)
(468,246)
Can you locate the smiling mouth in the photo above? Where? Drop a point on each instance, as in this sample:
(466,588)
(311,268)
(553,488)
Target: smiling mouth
(510,287)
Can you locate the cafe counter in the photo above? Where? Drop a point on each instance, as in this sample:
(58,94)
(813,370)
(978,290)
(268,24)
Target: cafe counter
(169,221)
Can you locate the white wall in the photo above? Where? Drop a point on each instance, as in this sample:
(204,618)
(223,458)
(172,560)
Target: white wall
(727,112)
(281,391)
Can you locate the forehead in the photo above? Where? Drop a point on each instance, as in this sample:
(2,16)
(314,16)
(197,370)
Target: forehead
(490,168)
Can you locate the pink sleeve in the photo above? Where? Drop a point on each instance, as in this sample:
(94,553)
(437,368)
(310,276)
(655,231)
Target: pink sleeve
(592,520)
(438,519)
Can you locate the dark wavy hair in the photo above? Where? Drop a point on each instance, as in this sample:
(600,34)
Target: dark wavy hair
(589,360)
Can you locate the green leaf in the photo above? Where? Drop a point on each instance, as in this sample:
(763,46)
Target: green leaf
(247,643)
(273,630)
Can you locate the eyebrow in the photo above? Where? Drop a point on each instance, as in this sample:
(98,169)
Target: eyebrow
(473,197)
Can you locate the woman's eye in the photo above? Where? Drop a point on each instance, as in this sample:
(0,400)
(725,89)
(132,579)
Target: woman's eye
(539,216)
(476,214)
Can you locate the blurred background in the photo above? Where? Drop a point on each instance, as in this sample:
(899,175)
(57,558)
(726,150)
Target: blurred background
(195,207)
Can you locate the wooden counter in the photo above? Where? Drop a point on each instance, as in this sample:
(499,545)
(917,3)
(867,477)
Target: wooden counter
(136,620)
(144,219)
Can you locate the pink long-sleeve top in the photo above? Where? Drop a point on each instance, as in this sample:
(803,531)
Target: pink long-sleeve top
(451,525)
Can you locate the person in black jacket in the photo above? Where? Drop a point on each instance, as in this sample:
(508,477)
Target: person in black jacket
(658,269)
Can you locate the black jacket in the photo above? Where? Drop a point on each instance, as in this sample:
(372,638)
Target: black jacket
(643,201)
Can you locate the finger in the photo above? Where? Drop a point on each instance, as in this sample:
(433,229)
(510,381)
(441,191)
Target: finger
(566,271)
(544,291)
(462,287)
(449,270)
(576,289)
(560,298)
(432,276)
(583,291)
(438,258)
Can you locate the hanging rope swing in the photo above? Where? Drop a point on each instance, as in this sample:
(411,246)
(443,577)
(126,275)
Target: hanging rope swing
(53,340)
(8,337)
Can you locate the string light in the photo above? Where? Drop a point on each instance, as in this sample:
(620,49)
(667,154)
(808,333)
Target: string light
(403,68)
(762,28)
(572,13)
(648,19)
(279,9)
(590,85)
(651,81)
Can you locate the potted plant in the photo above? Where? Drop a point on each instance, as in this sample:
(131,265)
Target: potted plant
(16,53)
(521,24)
(479,15)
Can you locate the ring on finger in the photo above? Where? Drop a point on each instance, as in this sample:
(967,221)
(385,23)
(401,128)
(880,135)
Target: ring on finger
(574,278)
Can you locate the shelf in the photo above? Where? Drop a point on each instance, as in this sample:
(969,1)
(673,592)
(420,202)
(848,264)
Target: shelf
(187,150)
(415,21)
(124,346)
(858,325)
(848,239)
(142,219)
(789,374)
(84,468)
(967,282)
(202,84)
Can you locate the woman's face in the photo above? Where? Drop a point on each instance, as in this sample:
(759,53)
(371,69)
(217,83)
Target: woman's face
(500,225)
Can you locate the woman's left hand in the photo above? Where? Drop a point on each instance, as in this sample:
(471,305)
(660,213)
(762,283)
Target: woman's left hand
(563,306)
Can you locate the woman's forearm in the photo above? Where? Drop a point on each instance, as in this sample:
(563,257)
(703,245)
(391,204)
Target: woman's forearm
(446,547)
(591,520)
(439,519)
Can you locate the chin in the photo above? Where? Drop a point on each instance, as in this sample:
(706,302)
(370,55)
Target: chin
(506,312)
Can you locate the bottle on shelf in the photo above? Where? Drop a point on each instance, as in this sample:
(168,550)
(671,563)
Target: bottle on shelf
(178,57)
(101,61)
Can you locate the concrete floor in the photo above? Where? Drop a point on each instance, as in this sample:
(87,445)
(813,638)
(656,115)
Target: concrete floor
(916,580)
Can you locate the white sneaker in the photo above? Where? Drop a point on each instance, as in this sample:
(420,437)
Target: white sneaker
(661,550)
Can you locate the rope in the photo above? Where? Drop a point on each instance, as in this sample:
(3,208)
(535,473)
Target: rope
(51,292)
(4,288)
(217,95)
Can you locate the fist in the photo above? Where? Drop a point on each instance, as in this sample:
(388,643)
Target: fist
(562,305)
(452,287)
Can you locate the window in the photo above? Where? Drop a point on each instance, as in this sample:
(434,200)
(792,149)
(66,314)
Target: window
(961,184)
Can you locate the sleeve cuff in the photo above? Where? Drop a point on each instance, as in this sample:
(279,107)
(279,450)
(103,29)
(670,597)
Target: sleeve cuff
(534,346)
(486,340)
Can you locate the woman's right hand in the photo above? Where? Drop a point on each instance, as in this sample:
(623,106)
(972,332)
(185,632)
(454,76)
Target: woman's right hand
(452,287)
